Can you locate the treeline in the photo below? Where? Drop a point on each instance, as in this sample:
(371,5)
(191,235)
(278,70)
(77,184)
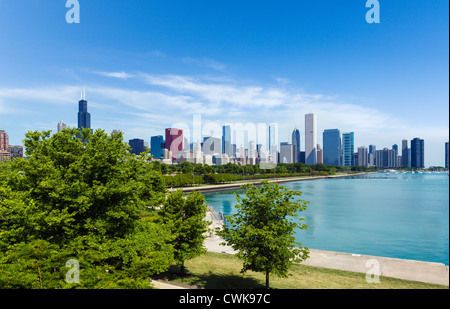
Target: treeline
(189,174)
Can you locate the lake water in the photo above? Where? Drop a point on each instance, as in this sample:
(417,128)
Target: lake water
(402,216)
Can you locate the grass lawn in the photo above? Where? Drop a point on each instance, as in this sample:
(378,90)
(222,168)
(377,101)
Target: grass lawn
(222,271)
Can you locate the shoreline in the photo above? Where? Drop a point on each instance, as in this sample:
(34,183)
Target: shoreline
(257,182)
(413,270)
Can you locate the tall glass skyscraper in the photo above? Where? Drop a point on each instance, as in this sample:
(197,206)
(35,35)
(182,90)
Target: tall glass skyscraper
(446,155)
(406,154)
(296,145)
(226,141)
(273,138)
(137,146)
(310,139)
(332,151)
(84,118)
(157,146)
(417,153)
(348,146)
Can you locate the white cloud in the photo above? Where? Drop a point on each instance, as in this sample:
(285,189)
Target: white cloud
(121,75)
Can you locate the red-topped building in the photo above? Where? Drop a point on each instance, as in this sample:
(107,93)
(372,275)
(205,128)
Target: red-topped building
(174,141)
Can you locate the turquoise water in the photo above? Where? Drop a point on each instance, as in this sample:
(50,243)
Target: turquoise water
(398,215)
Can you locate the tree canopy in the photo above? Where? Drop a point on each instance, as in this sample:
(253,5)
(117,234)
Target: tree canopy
(185,216)
(80,195)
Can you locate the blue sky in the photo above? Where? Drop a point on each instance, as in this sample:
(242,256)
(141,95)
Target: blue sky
(147,65)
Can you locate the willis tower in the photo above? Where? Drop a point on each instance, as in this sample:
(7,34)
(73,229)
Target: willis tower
(84,118)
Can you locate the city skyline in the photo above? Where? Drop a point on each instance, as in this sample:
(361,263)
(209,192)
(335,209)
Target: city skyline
(142,73)
(338,150)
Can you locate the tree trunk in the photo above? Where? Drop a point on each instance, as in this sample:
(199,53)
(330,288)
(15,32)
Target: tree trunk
(267,279)
(182,268)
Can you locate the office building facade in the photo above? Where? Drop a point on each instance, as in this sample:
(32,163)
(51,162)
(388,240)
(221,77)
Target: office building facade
(310,139)
(61,126)
(348,146)
(84,118)
(137,146)
(296,145)
(446,155)
(319,154)
(226,141)
(371,155)
(332,147)
(212,146)
(417,153)
(174,141)
(157,147)
(286,153)
(406,154)
(363,156)
(16,152)
(273,139)
(4,141)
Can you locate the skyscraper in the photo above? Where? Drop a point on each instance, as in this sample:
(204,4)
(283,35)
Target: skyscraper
(417,153)
(251,149)
(286,153)
(137,146)
(310,139)
(174,141)
(84,118)
(212,145)
(5,154)
(332,147)
(348,145)
(296,145)
(61,126)
(16,152)
(319,154)
(226,141)
(446,155)
(157,146)
(273,138)
(362,156)
(4,141)
(406,154)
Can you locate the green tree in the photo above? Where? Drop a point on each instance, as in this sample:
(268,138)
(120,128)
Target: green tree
(80,198)
(186,167)
(262,230)
(186,218)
